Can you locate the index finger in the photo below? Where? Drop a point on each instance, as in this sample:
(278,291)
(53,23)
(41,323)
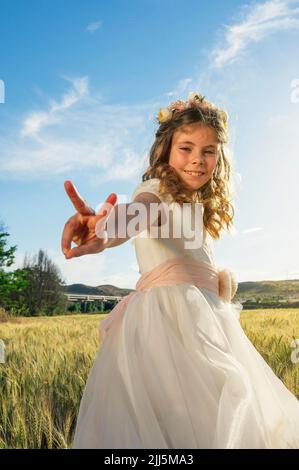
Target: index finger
(79,203)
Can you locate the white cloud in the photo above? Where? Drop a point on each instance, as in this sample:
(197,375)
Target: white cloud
(252,230)
(90,270)
(278,119)
(78,133)
(92,27)
(181,87)
(86,269)
(37,120)
(255,275)
(123,279)
(262,19)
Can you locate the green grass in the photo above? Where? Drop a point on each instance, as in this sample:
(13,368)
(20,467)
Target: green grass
(48,361)
(271,332)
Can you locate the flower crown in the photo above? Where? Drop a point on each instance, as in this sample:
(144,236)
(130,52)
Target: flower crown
(195,100)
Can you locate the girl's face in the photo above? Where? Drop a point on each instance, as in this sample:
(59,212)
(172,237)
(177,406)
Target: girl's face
(194,151)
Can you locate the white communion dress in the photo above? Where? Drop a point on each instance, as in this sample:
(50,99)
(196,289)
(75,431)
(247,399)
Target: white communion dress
(177,371)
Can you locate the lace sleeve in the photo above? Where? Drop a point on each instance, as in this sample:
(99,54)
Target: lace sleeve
(149,186)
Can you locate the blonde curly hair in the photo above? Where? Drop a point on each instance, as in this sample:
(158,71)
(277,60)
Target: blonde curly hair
(216,193)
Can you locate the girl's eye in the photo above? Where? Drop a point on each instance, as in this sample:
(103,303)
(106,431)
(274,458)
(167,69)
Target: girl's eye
(207,151)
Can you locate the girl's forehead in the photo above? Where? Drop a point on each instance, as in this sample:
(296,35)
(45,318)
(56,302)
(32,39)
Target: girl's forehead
(201,133)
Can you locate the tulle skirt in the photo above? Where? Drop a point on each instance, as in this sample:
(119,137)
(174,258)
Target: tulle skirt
(177,371)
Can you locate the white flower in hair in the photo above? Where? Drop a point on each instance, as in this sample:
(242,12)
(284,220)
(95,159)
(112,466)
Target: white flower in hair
(178,105)
(164,115)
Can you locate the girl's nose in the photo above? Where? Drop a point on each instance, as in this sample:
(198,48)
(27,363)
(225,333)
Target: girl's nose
(198,160)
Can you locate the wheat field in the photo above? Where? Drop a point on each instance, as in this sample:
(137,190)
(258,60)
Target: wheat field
(47,361)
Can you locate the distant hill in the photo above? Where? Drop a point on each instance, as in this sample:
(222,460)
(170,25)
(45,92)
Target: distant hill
(287,290)
(105,289)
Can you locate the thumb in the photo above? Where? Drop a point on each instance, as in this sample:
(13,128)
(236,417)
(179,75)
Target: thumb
(68,254)
(77,251)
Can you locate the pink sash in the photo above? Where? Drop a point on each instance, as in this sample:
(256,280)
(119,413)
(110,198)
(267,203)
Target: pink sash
(178,271)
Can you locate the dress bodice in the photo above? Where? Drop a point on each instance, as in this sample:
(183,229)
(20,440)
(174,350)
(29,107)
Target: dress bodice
(153,250)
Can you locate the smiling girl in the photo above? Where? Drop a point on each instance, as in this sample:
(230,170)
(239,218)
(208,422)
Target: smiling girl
(175,368)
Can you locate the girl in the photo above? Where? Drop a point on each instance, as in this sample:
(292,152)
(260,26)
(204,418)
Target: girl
(175,369)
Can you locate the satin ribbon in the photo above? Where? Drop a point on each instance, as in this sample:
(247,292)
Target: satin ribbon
(177,271)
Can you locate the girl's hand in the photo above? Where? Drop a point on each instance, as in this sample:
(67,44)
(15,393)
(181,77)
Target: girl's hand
(80,228)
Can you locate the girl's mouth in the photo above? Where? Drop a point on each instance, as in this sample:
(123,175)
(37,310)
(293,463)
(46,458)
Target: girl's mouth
(194,174)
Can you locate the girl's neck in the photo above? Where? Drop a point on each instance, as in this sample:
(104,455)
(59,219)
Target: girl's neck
(196,195)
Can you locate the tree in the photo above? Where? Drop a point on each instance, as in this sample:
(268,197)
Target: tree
(44,293)
(10,282)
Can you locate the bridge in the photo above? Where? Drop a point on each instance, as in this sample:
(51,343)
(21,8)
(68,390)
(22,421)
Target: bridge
(92,297)
(102,299)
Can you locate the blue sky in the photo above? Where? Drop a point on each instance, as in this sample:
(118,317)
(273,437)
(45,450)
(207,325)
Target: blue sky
(83,83)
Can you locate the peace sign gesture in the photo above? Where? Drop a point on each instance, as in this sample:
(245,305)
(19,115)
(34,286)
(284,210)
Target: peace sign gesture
(80,228)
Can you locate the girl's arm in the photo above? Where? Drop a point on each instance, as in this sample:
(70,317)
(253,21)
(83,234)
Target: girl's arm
(85,226)
(124,213)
